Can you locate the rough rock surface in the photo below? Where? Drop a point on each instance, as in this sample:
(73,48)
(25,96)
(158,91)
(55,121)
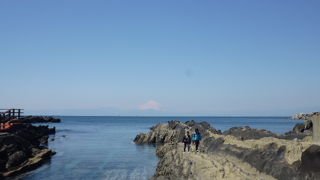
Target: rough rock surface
(173,131)
(305,127)
(299,131)
(245,133)
(305,116)
(21,148)
(310,159)
(239,153)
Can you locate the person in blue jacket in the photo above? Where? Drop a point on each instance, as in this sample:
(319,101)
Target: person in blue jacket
(196,137)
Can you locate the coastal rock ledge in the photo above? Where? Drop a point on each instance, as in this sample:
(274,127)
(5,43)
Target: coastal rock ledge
(23,148)
(239,153)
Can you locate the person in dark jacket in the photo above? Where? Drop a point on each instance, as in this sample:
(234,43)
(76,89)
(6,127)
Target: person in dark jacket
(196,137)
(187,141)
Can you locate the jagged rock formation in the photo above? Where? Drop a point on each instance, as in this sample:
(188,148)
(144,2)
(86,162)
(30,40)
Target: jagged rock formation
(21,148)
(299,131)
(239,153)
(173,131)
(305,127)
(304,116)
(245,133)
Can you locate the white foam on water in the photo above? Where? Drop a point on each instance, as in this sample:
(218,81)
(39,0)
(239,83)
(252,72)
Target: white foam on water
(116,174)
(141,173)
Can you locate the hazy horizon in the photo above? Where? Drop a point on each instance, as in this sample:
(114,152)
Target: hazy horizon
(160,58)
(149,113)
(160,116)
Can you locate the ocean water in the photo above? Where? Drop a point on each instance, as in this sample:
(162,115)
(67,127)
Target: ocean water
(102,147)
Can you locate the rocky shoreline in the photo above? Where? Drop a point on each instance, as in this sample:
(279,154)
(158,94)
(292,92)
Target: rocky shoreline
(23,147)
(35,119)
(238,153)
(305,116)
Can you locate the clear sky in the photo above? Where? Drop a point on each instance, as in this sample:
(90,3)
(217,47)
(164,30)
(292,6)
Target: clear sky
(160,57)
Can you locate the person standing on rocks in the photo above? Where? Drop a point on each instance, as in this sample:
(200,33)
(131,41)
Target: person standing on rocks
(196,137)
(187,141)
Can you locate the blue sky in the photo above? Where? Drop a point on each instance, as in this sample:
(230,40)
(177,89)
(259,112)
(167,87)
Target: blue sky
(160,57)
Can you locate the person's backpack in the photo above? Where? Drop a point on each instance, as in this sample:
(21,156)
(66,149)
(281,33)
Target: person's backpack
(193,137)
(196,137)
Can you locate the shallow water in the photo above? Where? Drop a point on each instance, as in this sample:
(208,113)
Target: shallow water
(102,147)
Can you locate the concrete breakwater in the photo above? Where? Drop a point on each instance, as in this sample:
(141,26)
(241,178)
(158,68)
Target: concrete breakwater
(238,153)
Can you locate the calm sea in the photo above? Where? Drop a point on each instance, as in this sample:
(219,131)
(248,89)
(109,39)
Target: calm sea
(102,147)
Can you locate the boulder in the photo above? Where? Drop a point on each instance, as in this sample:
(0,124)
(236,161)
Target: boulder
(302,127)
(310,159)
(299,131)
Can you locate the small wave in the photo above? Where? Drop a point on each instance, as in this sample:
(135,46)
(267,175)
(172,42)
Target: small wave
(116,174)
(64,130)
(70,131)
(137,174)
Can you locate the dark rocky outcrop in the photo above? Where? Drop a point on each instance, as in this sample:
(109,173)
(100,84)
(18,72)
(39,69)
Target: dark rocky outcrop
(299,131)
(246,132)
(310,159)
(305,127)
(37,119)
(22,148)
